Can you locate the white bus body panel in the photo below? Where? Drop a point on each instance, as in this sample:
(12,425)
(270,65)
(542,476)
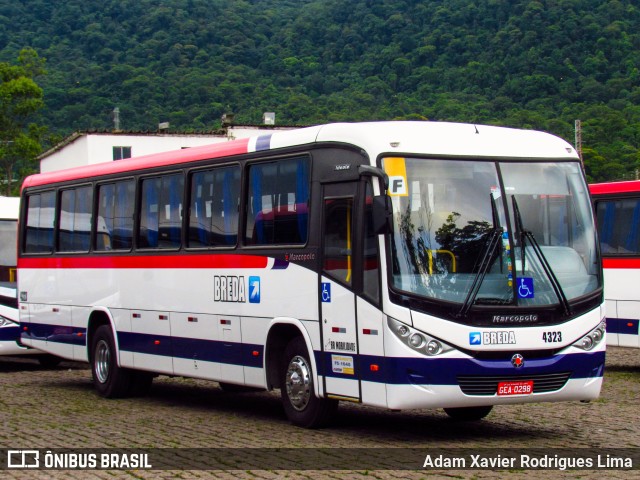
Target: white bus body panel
(424,388)
(622,292)
(164,317)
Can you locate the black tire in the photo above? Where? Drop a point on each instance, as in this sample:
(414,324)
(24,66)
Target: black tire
(298,392)
(110,380)
(468,414)
(49,361)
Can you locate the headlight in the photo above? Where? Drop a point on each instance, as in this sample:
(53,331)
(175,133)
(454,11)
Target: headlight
(593,338)
(418,341)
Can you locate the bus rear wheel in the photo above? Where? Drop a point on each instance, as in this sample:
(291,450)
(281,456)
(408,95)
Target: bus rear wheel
(468,414)
(298,392)
(110,380)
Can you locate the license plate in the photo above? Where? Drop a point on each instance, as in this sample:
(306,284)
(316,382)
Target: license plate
(515,388)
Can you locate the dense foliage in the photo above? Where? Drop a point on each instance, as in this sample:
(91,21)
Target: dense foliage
(535,64)
(20,99)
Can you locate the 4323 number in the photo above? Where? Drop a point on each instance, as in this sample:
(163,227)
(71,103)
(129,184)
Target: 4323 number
(552,337)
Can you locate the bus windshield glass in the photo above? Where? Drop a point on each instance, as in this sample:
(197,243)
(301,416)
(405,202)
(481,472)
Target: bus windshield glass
(492,233)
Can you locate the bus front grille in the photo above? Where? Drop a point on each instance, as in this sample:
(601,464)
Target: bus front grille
(488,385)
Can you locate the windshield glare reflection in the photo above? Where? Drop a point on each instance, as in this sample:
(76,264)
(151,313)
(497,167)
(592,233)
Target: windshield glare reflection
(455,236)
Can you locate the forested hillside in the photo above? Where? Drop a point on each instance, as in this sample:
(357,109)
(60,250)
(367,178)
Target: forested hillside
(535,64)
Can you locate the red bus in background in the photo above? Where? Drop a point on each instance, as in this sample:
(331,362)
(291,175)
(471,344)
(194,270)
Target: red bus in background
(617,208)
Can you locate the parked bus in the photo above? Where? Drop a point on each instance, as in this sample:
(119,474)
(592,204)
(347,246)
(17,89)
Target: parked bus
(9,209)
(396,264)
(9,327)
(617,207)
(10,344)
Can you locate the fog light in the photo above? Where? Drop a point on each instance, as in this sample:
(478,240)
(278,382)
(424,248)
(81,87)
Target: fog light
(433,347)
(416,340)
(587,343)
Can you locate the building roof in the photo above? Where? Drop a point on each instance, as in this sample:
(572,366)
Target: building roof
(158,133)
(79,134)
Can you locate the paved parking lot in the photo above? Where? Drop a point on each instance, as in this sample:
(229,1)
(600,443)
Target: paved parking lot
(57,408)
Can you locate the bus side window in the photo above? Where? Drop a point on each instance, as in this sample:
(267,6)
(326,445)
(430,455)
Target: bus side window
(74,231)
(213,218)
(278,195)
(161,212)
(114,228)
(338,238)
(619,226)
(39,226)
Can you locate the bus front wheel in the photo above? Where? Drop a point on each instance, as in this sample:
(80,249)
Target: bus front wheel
(468,414)
(109,379)
(298,392)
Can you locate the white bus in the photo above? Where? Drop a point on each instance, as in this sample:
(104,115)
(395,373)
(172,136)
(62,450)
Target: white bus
(617,207)
(397,264)
(9,209)
(10,344)
(9,327)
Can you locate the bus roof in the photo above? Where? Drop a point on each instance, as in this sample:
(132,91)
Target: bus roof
(615,187)
(434,138)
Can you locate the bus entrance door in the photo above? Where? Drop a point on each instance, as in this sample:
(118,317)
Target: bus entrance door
(337,299)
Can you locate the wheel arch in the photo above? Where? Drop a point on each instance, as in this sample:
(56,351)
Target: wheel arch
(97,318)
(281,332)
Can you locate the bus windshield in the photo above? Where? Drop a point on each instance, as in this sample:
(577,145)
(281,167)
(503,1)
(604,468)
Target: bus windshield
(492,233)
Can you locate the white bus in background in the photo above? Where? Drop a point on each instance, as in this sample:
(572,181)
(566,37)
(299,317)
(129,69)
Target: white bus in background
(9,327)
(9,209)
(617,207)
(396,264)
(10,344)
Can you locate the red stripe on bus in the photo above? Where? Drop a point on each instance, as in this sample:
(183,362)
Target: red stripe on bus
(88,172)
(149,261)
(614,187)
(621,262)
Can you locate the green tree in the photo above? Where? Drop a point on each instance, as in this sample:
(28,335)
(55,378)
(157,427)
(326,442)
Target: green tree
(20,98)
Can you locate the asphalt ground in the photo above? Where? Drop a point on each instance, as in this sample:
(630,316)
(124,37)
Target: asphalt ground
(246,435)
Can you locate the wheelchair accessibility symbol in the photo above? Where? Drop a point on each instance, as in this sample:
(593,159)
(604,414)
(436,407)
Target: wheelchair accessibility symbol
(525,287)
(326,292)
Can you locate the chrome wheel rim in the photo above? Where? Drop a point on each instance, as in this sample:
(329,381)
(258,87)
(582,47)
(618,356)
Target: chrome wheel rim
(102,358)
(298,383)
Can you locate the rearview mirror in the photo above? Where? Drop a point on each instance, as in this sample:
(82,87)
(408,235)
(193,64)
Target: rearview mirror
(382,212)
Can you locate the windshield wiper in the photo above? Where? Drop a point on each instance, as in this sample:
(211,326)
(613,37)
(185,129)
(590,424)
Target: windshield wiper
(495,236)
(523,234)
